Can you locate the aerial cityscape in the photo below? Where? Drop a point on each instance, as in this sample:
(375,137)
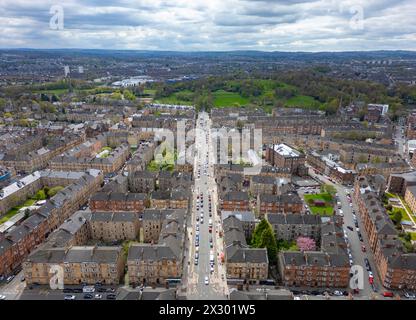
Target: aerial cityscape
(164,150)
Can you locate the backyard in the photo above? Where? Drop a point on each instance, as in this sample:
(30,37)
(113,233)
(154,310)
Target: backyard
(42,194)
(321,203)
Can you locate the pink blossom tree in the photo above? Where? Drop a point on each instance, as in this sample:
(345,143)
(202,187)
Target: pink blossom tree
(306,244)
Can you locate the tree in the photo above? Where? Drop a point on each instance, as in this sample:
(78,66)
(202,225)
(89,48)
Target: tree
(240,125)
(40,195)
(327,188)
(129,95)
(255,239)
(397,216)
(52,191)
(27,213)
(268,241)
(263,237)
(306,244)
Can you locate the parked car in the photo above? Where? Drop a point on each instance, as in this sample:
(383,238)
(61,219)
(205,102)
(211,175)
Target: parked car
(2,297)
(111,297)
(388,294)
(350,228)
(409,295)
(69,297)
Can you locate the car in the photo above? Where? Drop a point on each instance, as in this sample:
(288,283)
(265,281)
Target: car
(2,297)
(350,228)
(338,293)
(88,296)
(98,296)
(211,269)
(69,297)
(196,262)
(9,279)
(111,297)
(370,277)
(357,229)
(409,295)
(22,279)
(360,237)
(206,280)
(388,294)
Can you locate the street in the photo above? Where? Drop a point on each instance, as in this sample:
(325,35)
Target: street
(353,239)
(14,289)
(206,279)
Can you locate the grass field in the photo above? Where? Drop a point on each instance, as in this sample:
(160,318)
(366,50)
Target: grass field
(175,98)
(56,91)
(12,212)
(150,92)
(405,216)
(302,102)
(327,210)
(225,99)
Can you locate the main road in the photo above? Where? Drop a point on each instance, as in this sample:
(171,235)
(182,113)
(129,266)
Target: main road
(206,279)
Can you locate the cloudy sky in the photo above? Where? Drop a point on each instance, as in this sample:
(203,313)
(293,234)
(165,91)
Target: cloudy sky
(209,25)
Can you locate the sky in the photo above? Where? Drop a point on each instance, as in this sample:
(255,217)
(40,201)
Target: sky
(210,25)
